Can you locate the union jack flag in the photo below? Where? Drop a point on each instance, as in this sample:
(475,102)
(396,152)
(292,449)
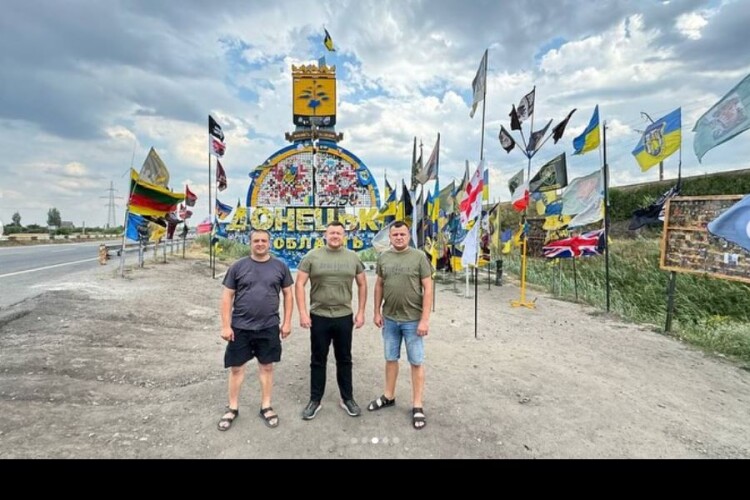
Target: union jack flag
(582,245)
(184,213)
(217,147)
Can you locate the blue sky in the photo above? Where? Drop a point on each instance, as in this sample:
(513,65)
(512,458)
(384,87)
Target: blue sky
(86,83)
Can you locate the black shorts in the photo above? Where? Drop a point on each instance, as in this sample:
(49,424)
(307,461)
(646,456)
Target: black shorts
(263,344)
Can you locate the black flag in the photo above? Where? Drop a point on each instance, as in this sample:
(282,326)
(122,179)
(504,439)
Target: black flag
(214,129)
(506,141)
(515,123)
(535,140)
(654,213)
(559,129)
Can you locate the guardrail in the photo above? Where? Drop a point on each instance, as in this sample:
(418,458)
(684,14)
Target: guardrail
(117,247)
(49,237)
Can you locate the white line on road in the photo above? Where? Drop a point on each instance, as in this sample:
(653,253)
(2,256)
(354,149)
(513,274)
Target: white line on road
(47,267)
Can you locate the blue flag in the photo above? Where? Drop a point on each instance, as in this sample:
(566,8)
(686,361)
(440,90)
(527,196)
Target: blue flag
(222,210)
(734,224)
(136,227)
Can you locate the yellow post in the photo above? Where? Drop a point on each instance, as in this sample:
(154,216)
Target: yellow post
(522,302)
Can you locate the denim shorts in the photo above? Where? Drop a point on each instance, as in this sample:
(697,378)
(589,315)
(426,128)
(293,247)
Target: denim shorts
(394,332)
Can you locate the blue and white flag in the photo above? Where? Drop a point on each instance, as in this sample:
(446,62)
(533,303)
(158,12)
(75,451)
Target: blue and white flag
(734,224)
(726,119)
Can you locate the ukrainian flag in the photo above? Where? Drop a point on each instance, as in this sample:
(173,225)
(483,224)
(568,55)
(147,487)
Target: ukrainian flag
(661,139)
(589,139)
(388,210)
(328,41)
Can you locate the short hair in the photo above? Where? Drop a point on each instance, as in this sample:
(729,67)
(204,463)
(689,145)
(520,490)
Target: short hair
(336,223)
(252,233)
(398,223)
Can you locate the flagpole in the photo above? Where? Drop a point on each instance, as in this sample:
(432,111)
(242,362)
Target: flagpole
(672,275)
(210,214)
(606,213)
(125,224)
(522,301)
(524,256)
(479,217)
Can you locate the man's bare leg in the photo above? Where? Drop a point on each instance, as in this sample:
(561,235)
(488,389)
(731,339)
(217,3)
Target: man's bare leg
(391,375)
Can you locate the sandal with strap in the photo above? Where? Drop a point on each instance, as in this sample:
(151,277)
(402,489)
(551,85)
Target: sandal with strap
(380,402)
(270,420)
(226,422)
(417,417)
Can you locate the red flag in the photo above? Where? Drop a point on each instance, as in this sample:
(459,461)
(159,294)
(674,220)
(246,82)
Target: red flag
(189,197)
(221,176)
(471,206)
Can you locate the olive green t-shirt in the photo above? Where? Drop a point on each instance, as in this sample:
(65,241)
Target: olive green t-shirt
(331,275)
(402,274)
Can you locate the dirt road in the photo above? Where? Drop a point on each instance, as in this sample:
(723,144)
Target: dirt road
(132,368)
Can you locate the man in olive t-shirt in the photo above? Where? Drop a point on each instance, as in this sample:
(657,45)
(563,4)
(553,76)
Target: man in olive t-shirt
(331,270)
(403,289)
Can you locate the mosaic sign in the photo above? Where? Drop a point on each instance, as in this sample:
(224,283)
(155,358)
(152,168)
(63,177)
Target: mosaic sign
(687,246)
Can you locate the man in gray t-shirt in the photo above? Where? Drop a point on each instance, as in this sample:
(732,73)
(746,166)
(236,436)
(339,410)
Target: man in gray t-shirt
(331,271)
(250,322)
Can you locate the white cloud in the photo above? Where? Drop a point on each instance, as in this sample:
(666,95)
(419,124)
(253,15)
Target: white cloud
(100,90)
(690,25)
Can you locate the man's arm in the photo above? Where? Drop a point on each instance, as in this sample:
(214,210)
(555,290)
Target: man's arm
(225,309)
(378,316)
(286,325)
(299,291)
(424,321)
(359,319)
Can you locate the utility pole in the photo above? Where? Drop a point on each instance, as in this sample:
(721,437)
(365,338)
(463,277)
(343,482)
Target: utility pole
(111,205)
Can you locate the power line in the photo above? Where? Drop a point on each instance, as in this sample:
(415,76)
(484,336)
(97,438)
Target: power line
(111,222)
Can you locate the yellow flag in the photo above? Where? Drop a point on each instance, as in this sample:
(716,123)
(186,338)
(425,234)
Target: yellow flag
(156,232)
(328,41)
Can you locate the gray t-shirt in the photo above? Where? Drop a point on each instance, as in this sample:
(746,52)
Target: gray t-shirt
(331,275)
(402,274)
(257,286)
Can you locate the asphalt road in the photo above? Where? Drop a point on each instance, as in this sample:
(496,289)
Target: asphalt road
(23,269)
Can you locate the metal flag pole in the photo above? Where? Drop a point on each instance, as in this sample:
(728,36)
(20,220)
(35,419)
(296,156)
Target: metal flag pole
(529,155)
(672,275)
(479,217)
(125,223)
(210,219)
(606,214)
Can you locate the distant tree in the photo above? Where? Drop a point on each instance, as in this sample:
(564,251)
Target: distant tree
(16,218)
(53,217)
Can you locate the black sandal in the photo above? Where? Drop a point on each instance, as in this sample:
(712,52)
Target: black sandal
(269,420)
(381,402)
(417,416)
(227,420)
